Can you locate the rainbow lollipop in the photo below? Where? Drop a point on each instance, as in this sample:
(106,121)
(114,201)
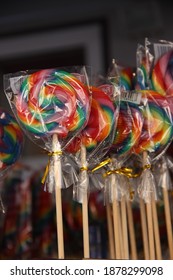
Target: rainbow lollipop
(157,131)
(11,139)
(99,125)
(128,129)
(52,102)
(126,78)
(52,106)
(91,139)
(162,74)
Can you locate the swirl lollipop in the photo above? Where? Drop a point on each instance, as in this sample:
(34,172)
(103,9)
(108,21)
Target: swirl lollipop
(99,125)
(128,130)
(126,78)
(157,131)
(52,106)
(52,101)
(11,139)
(93,138)
(162,74)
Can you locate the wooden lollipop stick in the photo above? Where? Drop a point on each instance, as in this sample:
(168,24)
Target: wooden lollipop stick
(144,229)
(150,231)
(116,219)
(149,218)
(120,231)
(85,208)
(110,231)
(124,228)
(131,231)
(58,200)
(156,229)
(85,228)
(168,220)
(116,223)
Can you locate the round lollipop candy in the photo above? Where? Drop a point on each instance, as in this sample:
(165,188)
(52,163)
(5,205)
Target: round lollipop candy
(53,105)
(126,78)
(157,131)
(128,129)
(91,138)
(52,102)
(142,74)
(11,139)
(99,125)
(162,74)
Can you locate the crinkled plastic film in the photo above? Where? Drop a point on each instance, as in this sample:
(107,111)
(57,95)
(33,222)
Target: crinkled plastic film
(48,103)
(11,141)
(97,136)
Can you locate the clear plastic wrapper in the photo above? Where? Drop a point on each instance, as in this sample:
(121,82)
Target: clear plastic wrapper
(52,106)
(147,183)
(157,129)
(95,138)
(144,61)
(11,141)
(162,170)
(161,74)
(11,145)
(127,134)
(123,75)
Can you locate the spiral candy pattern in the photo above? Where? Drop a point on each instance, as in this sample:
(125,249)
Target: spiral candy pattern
(11,139)
(128,129)
(52,101)
(126,78)
(142,75)
(100,122)
(162,74)
(101,119)
(157,131)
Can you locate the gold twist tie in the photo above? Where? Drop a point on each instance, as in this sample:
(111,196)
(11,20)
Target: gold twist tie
(128,172)
(83,168)
(101,164)
(55,153)
(146,166)
(50,154)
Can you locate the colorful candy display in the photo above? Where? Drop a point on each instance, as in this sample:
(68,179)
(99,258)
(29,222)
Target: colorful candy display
(11,140)
(111,143)
(52,101)
(162,74)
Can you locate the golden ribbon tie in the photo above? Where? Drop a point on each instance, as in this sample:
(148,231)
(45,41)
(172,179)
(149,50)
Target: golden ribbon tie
(83,168)
(50,154)
(147,166)
(101,164)
(128,172)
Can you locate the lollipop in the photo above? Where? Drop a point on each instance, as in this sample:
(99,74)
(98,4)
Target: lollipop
(128,130)
(11,139)
(52,101)
(142,72)
(99,125)
(126,78)
(157,131)
(91,138)
(52,105)
(162,74)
